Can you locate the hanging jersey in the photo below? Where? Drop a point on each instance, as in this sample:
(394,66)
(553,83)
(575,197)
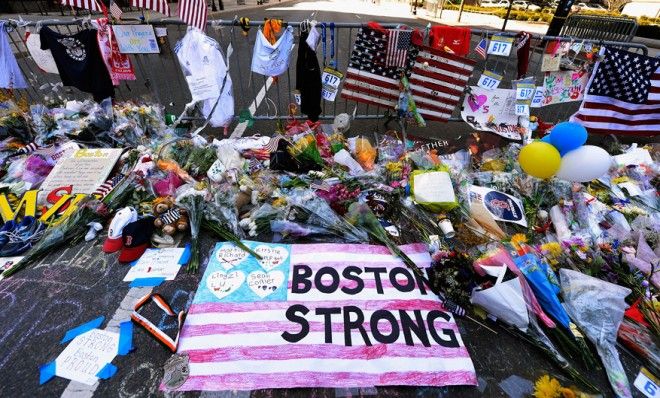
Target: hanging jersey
(272,59)
(10,74)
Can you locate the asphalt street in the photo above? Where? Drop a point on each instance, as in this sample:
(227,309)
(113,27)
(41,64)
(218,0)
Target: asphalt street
(77,284)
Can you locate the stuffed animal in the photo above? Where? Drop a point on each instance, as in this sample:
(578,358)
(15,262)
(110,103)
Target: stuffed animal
(169,218)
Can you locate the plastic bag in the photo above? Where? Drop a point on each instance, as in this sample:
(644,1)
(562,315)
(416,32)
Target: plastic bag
(365,153)
(433,189)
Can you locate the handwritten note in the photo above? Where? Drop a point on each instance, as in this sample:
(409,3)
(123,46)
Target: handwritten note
(86,355)
(136,39)
(85,170)
(156,263)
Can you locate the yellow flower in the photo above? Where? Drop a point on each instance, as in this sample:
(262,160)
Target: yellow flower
(518,239)
(619,180)
(279,202)
(394,167)
(547,387)
(552,248)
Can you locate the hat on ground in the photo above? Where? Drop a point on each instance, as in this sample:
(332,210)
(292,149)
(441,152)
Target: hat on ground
(123,217)
(136,238)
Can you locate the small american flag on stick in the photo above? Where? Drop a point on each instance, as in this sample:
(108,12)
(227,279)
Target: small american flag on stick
(115,11)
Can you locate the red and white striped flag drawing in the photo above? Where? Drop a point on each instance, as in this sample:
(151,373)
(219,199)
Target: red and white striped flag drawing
(437,82)
(193,13)
(623,95)
(398,43)
(160,6)
(115,11)
(268,324)
(92,5)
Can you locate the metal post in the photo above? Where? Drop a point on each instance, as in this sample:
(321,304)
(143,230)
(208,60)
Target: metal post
(213,7)
(460,12)
(561,13)
(508,12)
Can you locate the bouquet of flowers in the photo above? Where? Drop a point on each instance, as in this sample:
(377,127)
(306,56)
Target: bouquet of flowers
(192,199)
(306,152)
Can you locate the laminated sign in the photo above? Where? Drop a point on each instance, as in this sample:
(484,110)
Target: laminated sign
(318,315)
(501,206)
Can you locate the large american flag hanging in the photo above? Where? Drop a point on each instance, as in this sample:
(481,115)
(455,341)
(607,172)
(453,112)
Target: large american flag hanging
(623,95)
(193,13)
(160,6)
(437,82)
(368,78)
(398,42)
(91,5)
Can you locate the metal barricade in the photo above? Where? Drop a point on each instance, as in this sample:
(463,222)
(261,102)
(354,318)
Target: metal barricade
(600,27)
(159,76)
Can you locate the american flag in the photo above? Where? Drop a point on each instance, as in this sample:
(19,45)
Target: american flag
(623,95)
(193,13)
(115,11)
(160,6)
(437,82)
(398,43)
(104,189)
(481,48)
(91,5)
(368,78)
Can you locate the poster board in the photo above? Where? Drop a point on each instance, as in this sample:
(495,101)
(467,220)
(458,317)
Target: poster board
(318,315)
(564,86)
(136,39)
(85,170)
(494,111)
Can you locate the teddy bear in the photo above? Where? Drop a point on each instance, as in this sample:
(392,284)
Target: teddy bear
(169,218)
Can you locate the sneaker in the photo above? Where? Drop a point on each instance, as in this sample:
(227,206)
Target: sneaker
(22,238)
(5,231)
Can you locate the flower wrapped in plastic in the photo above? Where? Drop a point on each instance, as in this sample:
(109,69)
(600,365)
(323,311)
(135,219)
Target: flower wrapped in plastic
(306,152)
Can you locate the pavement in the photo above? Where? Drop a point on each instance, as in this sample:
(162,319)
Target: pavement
(79,283)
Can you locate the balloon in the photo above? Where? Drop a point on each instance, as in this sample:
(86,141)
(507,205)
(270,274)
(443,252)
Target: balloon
(547,139)
(567,136)
(584,164)
(539,159)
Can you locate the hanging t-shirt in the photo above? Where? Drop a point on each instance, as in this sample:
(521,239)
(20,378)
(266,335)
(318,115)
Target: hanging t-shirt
(272,59)
(308,77)
(79,61)
(205,69)
(451,39)
(43,58)
(10,74)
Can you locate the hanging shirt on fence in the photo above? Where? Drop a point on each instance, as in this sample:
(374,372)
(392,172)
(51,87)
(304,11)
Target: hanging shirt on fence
(43,58)
(451,39)
(10,74)
(205,69)
(79,61)
(308,76)
(272,59)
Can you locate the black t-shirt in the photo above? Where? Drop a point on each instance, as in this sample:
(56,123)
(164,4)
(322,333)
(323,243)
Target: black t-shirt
(79,61)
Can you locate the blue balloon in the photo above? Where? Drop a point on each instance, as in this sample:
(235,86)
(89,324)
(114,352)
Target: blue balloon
(567,136)
(547,139)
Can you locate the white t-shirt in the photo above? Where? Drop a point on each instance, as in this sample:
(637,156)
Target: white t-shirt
(205,68)
(272,59)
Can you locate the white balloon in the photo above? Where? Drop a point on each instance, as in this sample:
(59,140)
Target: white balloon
(585,163)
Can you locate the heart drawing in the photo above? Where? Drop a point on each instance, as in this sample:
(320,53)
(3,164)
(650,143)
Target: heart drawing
(223,284)
(230,256)
(475,102)
(271,256)
(265,283)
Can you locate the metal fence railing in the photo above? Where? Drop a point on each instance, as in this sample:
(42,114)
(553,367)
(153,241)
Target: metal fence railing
(159,77)
(600,28)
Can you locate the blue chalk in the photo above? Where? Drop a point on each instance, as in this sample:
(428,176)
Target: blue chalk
(146,282)
(185,256)
(107,371)
(125,338)
(85,327)
(46,372)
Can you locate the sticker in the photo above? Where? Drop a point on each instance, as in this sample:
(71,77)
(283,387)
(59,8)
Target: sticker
(176,371)
(330,81)
(203,87)
(489,80)
(537,99)
(522,110)
(500,45)
(501,206)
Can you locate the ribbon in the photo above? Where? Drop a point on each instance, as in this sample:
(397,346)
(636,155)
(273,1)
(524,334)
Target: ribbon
(153,329)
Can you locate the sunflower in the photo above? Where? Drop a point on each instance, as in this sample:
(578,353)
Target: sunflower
(547,387)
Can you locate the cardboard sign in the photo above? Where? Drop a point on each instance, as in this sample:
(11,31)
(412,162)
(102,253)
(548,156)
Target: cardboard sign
(495,111)
(500,45)
(319,315)
(84,171)
(489,80)
(564,86)
(86,355)
(330,83)
(501,206)
(136,39)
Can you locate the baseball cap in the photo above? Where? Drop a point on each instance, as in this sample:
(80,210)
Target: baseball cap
(136,238)
(122,218)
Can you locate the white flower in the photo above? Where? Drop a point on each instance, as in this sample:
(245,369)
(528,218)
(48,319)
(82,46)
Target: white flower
(252,225)
(245,223)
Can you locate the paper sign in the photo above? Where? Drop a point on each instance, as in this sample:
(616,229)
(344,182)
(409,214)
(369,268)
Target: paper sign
(161,31)
(85,170)
(86,355)
(501,206)
(156,263)
(203,87)
(433,187)
(500,45)
(634,156)
(564,86)
(539,96)
(550,62)
(136,39)
(647,383)
(296,97)
(495,111)
(330,83)
(489,80)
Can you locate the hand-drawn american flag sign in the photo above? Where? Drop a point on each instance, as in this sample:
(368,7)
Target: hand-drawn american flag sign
(319,315)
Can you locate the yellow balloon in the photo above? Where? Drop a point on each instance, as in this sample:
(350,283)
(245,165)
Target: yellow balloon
(539,159)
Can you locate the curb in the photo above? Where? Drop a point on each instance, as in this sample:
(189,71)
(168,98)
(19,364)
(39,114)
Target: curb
(250,7)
